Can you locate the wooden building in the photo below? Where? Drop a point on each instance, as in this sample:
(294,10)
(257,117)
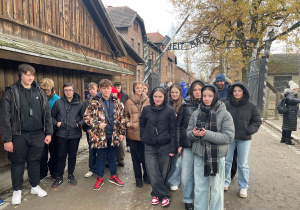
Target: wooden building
(65,40)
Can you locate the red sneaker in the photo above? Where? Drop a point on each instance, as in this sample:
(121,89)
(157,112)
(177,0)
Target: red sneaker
(155,201)
(165,202)
(99,183)
(115,179)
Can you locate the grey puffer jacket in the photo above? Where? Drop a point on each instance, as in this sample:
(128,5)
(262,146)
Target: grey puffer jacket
(10,121)
(70,114)
(222,138)
(289,122)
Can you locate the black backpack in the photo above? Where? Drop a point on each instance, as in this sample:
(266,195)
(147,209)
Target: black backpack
(282,109)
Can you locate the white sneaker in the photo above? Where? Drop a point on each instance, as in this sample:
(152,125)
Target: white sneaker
(174,188)
(243,193)
(226,187)
(88,174)
(38,191)
(16,197)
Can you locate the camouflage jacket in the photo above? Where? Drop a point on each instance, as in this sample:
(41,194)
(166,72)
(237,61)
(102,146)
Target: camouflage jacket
(94,115)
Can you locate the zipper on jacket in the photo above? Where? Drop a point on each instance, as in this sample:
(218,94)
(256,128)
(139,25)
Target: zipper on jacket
(18,112)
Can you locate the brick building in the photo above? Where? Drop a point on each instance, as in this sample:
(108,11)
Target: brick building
(131,26)
(181,74)
(168,60)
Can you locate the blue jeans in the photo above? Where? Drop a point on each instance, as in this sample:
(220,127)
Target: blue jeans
(110,154)
(157,163)
(175,171)
(243,148)
(92,157)
(209,191)
(187,175)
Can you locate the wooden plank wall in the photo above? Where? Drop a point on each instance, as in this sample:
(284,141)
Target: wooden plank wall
(9,75)
(42,21)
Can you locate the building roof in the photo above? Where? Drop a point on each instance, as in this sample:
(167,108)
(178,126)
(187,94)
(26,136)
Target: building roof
(105,25)
(284,64)
(124,17)
(35,52)
(155,37)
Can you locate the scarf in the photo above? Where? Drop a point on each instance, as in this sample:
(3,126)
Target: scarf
(208,119)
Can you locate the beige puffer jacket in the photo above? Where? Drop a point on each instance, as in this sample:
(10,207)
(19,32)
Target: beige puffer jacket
(133,110)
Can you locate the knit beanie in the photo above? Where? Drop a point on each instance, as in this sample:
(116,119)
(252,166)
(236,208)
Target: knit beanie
(220,77)
(114,90)
(293,85)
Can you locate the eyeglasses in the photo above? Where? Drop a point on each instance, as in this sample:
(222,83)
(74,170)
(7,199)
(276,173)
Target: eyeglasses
(68,90)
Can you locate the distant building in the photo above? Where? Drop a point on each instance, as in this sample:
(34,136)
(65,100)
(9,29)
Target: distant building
(282,69)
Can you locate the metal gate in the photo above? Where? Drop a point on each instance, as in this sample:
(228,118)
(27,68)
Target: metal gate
(256,80)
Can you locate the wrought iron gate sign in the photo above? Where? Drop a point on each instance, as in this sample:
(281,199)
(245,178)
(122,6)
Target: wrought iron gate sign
(256,77)
(210,40)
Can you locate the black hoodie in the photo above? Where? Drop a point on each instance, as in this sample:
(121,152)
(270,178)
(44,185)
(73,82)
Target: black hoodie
(245,114)
(158,124)
(30,109)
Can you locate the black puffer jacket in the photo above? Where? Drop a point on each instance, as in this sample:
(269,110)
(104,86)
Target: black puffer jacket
(245,114)
(289,122)
(69,114)
(10,122)
(158,125)
(183,117)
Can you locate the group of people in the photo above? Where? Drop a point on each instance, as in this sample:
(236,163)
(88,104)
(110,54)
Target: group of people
(171,139)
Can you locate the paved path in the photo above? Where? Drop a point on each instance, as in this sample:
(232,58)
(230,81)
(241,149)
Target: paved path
(274,184)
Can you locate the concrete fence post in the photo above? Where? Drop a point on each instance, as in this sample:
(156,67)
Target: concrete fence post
(266,108)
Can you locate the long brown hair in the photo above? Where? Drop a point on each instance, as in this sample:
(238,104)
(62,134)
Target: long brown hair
(176,104)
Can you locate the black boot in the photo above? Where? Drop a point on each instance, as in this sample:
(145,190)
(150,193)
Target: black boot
(289,141)
(188,206)
(283,140)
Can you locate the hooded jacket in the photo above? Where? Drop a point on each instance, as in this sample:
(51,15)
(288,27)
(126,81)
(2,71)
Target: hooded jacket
(289,122)
(223,136)
(184,88)
(158,125)
(10,119)
(94,115)
(70,114)
(245,114)
(133,110)
(183,117)
(222,93)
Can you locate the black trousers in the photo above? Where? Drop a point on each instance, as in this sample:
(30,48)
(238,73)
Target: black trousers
(52,160)
(286,134)
(158,163)
(27,148)
(138,158)
(64,148)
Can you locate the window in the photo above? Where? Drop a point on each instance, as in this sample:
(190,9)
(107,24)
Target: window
(132,42)
(136,26)
(139,48)
(281,82)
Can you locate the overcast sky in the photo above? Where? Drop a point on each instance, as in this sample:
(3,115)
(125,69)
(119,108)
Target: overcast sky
(157,14)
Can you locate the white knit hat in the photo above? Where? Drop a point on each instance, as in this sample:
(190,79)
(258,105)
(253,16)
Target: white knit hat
(293,85)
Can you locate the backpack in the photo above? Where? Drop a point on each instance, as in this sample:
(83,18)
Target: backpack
(282,109)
